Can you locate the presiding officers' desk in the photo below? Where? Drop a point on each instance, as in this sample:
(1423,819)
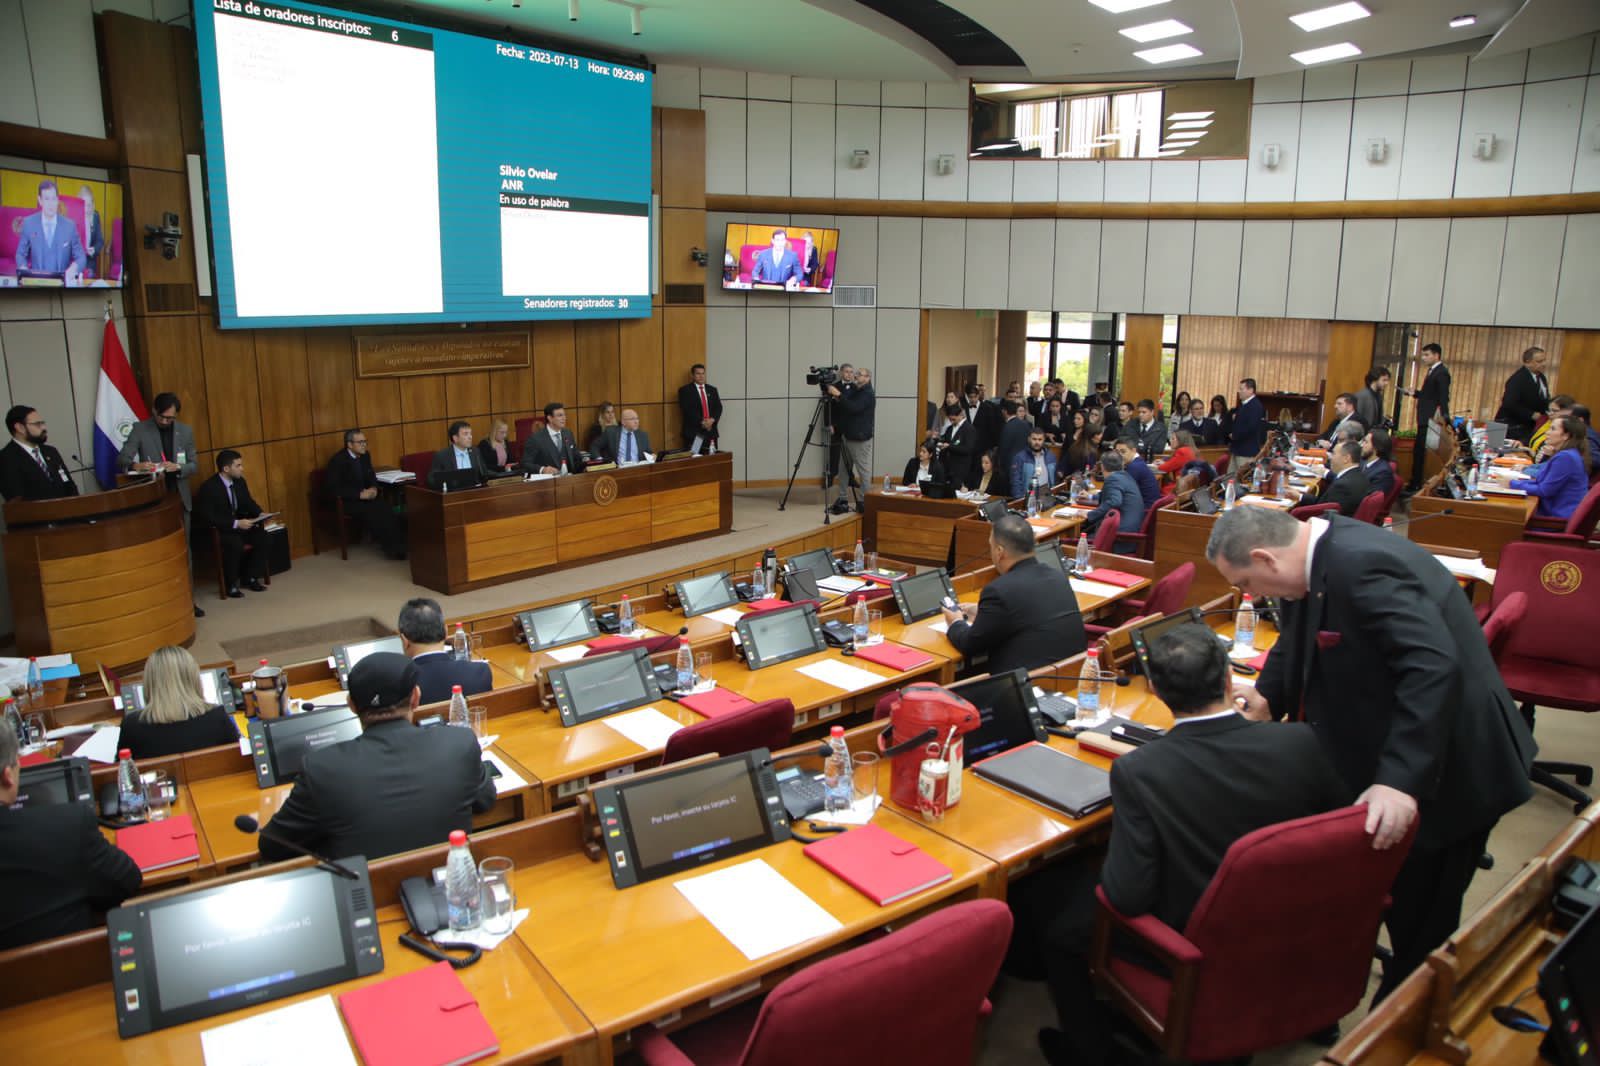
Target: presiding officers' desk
(903,525)
(511,528)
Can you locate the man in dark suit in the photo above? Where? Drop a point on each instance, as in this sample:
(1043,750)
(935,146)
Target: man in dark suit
(1249,428)
(548,449)
(422,639)
(57,872)
(1375,450)
(956,446)
(1204,429)
(1028,616)
(1369,398)
(393,788)
(163,443)
(459,454)
(350,478)
(1014,433)
(1344,418)
(1120,493)
(1146,430)
(224,503)
(1381,653)
(1433,396)
(988,421)
(625,443)
(701,408)
(1181,802)
(1136,468)
(1346,483)
(1526,397)
(29,467)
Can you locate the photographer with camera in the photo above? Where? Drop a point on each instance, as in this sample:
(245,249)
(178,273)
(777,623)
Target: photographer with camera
(855,408)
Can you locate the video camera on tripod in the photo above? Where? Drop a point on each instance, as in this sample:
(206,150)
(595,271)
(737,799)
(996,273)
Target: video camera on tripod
(823,376)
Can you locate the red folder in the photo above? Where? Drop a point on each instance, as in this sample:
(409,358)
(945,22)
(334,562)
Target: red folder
(36,759)
(155,845)
(717,701)
(771,603)
(610,641)
(1112,577)
(879,864)
(1260,661)
(423,1018)
(894,656)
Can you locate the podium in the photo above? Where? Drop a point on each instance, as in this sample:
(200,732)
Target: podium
(104,576)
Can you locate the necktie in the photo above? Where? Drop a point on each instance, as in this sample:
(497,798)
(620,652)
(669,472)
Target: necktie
(38,457)
(1544,389)
(233,504)
(705,405)
(627,446)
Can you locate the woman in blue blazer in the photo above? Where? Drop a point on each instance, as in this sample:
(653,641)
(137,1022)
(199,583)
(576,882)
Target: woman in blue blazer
(1562,480)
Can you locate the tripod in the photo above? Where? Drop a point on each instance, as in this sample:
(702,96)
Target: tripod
(818,417)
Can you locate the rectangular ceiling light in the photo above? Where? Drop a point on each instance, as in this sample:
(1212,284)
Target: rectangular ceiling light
(1157,31)
(1191,124)
(1342,50)
(1323,17)
(1168,53)
(1117,7)
(1180,116)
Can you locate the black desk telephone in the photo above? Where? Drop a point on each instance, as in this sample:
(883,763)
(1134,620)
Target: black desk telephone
(423,900)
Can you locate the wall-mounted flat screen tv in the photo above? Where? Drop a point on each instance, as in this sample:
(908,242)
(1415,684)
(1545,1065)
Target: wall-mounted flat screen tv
(365,170)
(59,232)
(779,258)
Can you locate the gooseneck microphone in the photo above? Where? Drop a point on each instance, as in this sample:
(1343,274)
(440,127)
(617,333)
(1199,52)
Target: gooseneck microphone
(246,824)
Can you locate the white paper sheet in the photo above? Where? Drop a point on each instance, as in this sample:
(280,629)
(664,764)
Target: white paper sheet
(1484,488)
(840,585)
(1469,568)
(102,747)
(50,662)
(860,813)
(841,675)
(508,780)
(569,654)
(939,627)
(1103,589)
(728,616)
(758,909)
(290,1036)
(479,937)
(646,727)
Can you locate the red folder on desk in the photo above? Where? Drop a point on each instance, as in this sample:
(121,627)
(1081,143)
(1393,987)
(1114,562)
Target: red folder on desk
(1112,577)
(894,656)
(610,641)
(717,701)
(156,845)
(423,1018)
(878,863)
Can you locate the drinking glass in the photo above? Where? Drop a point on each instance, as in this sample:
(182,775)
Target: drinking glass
(874,627)
(864,771)
(499,894)
(702,668)
(160,792)
(478,718)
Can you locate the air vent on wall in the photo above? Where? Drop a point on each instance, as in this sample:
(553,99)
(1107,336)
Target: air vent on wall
(684,294)
(168,297)
(855,296)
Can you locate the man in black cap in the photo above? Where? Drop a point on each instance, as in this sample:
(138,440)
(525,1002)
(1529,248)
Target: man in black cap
(394,788)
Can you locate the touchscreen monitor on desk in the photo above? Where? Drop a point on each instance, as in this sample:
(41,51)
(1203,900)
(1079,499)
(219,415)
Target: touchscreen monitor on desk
(819,561)
(279,746)
(605,684)
(770,637)
(919,596)
(563,623)
(201,953)
(345,656)
(57,781)
(1049,554)
(702,595)
(801,584)
(1008,716)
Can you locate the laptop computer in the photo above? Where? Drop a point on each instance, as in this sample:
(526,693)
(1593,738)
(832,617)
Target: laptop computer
(1007,716)
(459,480)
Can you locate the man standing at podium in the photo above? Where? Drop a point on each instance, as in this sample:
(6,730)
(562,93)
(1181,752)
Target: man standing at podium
(29,467)
(163,445)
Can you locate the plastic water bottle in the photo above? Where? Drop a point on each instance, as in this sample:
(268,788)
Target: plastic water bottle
(1472,482)
(860,557)
(1080,561)
(685,666)
(130,787)
(758,584)
(1089,686)
(838,789)
(458,707)
(35,685)
(460,646)
(1231,496)
(463,892)
(1033,499)
(858,622)
(1255,479)
(888,484)
(625,615)
(1244,626)
(563,468)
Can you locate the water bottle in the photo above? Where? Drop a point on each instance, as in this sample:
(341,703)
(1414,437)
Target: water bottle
(1231,496)
(888,484)
(769,563)
(1075,487)
(758,584)
(1472,481)
(458,708)
(1255,478)
(625,615)
(713,450)
(1080,561)
(563,468)
(838,789)
(130,787)
(463,892)
(1033,499)
(460,646)
(35,686)
(1244,627)
(685,666)
(858,622)
(1089,685)
(860,557)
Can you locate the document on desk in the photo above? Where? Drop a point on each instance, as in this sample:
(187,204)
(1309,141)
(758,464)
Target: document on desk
(1467,568)
(841,675)
(646,727)
(569,654)
(509,780)
(289,1036)
(939,627)
(728,616)
(1103,589)
(102,747)
(758,909)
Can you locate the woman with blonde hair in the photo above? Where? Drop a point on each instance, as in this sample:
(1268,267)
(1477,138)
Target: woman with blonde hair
(495,449)
(176,717)
(604,415)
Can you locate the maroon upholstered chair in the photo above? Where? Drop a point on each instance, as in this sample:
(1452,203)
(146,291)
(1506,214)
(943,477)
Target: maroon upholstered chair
(1503,619)
(1370,509)
(1222,465)
(1311,510)
(1548,659)
(1239,979)
(1166,596)
(768,724)
(1105,538)
(327,514)
(915,995)
(1578,528)
(417,463)
(1144,541)
(1395,488)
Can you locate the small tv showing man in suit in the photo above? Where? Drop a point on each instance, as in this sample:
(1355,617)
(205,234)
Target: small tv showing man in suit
(59,232)
(780,258)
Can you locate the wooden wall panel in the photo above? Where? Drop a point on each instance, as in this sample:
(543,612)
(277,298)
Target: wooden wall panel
(255,473)
(330,365)
(428,436)
(285,383)
(378,401)
(555,363)
(510,390)
(467,395)
(640,342)
(386,444)
(139,63)
(682,151)
(1349,359)
(1580,366)
(173,363)
(599,365)
(682,229)
(423,397)
(684,344)
(231,384)
(1141,358)
(287,470)
(151,194)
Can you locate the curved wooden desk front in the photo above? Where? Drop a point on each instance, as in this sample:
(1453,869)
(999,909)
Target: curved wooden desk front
(104,576)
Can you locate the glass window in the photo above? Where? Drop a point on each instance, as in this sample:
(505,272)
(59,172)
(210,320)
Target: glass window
(1083,348)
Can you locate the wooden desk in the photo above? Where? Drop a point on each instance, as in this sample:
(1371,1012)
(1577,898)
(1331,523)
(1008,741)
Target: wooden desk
(630,957)
(1483,526)
(199,869)
(972,536)
(906,526)
(510,529)
(1181,538)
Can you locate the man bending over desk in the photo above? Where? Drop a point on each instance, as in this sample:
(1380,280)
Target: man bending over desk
(57,872)
(395,787)
(1028,616)
(1180,802)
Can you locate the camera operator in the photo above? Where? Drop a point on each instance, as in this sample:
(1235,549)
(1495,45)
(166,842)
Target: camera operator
(855,408)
